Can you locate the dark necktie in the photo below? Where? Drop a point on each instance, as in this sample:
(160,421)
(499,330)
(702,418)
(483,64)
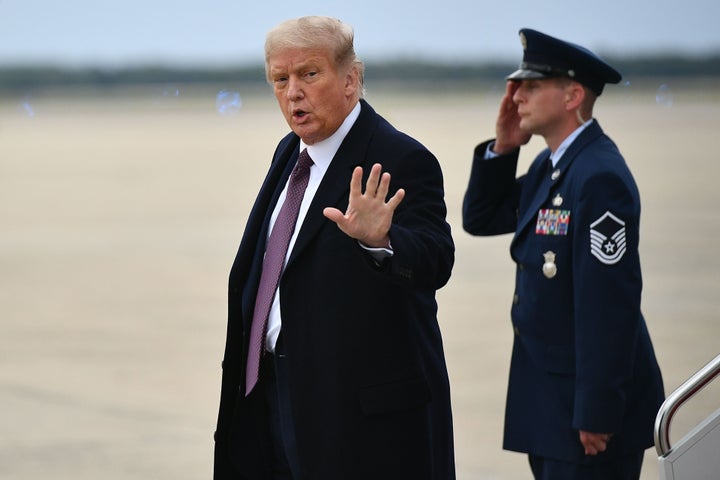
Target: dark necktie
(275,252)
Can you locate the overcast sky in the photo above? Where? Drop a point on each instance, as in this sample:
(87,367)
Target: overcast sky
(121,33)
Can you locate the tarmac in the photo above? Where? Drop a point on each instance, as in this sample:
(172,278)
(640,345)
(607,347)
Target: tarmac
(120,214)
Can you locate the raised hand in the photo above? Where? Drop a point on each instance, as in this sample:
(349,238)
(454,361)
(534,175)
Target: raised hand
(368,216)
(509,136)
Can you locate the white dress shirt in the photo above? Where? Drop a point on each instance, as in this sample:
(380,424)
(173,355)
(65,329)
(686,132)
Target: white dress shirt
(322,154)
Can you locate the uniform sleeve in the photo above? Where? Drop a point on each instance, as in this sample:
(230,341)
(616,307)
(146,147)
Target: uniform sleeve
(607,291)
(492,196)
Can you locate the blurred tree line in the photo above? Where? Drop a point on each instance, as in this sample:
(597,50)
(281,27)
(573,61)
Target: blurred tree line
(396,71)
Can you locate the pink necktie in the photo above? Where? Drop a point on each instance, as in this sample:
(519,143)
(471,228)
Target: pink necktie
(275,252)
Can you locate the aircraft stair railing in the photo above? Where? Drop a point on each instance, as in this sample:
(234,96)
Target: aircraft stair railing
(697,455)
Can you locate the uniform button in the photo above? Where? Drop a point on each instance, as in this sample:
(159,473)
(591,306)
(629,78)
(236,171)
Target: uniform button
(521,267)
(516,299)
(517,331)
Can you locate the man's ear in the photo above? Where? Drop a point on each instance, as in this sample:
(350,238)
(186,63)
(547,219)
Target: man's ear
(352,80)
(575,95)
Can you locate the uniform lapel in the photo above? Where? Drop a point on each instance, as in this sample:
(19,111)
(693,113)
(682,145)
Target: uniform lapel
(537,185)
(543,179)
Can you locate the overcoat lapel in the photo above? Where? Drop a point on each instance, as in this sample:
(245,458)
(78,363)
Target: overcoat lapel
(336,183)
(273,185)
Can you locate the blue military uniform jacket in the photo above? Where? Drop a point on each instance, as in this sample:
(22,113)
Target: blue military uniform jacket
(582,358)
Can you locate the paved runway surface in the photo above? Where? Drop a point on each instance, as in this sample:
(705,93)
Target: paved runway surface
(120,216)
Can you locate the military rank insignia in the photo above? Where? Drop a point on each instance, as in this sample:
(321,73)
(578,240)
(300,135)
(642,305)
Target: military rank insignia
(552,222)
(607,239)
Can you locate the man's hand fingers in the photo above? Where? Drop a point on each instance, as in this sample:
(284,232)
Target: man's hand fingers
(373,181)
(334,214)
(356,182)
(594,443)
(395,200)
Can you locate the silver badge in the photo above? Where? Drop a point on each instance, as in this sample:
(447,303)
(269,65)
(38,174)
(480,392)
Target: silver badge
(557,201)
(549,268)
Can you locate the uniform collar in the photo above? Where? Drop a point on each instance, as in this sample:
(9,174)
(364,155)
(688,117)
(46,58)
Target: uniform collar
(557,154)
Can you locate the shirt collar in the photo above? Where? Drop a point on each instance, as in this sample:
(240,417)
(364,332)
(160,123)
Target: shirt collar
(557,154)
(323,152)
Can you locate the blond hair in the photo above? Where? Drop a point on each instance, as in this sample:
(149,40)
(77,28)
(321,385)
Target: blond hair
(315,32)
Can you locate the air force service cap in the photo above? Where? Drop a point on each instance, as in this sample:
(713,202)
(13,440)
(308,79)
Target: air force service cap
(546,57)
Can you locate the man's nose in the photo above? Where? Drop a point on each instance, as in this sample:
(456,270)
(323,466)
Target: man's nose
(294,90)
(517,96)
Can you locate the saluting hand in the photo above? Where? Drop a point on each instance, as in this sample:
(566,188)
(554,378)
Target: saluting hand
(368,216)
(509,136)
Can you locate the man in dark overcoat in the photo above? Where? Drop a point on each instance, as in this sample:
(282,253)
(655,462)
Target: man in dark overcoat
(352,382)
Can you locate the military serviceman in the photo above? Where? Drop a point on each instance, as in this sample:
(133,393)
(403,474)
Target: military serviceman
(584,385)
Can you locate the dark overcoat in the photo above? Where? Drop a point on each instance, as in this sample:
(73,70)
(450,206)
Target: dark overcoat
(367,377)
(582,357)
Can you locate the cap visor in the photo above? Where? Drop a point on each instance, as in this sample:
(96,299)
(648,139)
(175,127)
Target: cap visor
(524,74)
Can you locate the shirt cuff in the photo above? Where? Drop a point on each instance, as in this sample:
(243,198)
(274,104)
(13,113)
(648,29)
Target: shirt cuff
(489,151)
(379,254)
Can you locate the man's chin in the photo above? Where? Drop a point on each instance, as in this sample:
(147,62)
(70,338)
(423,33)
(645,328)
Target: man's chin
(527,128)
(305,136)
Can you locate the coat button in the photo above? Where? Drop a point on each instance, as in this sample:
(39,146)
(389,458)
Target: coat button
(516,299)
(516,330)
